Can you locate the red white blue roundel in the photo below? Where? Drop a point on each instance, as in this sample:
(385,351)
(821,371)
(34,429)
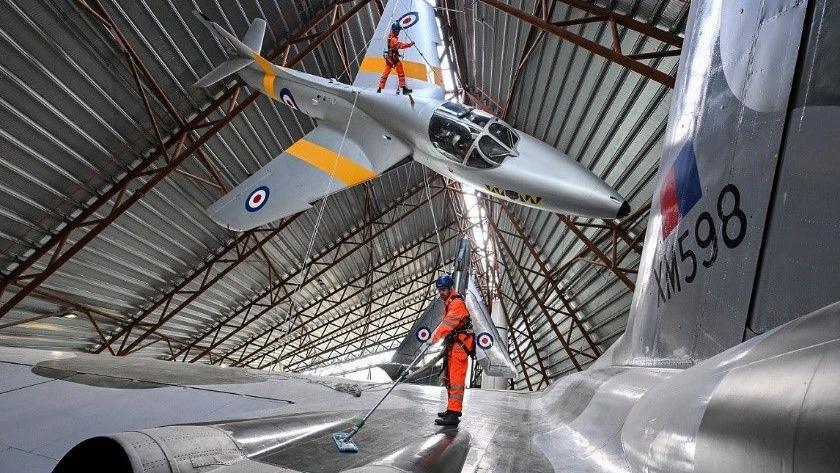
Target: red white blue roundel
(286,97)
(408,20)
(484,340)
(257,199)
(423,334)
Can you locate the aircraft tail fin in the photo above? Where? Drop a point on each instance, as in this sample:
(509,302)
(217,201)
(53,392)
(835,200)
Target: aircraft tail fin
(254,36)
(247,49)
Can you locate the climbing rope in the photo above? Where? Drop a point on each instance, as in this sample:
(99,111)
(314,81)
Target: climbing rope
(434,218)
(306,265)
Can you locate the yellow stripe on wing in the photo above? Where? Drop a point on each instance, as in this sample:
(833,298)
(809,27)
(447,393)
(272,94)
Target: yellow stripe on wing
(343,168)
(269,77)
(413,69)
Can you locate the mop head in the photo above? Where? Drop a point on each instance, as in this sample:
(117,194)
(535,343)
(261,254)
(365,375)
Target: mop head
(344,447)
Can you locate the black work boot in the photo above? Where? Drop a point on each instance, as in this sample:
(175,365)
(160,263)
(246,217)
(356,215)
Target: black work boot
(450,418)
(378,91)
(441,414)
(406,91)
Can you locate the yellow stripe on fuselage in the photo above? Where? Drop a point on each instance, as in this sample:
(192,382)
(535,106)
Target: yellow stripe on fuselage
(413,69)
(343,168)
(269,77)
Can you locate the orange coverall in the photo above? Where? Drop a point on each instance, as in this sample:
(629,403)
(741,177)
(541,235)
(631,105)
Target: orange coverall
(455,317)
(392,59)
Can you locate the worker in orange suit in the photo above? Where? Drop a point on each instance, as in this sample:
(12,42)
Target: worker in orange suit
(459,343)
(392,59)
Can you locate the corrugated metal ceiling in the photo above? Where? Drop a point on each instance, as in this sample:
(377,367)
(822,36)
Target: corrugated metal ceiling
(73,123)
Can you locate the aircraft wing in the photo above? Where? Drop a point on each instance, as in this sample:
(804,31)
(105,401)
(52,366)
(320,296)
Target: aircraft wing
(420,331)
(323,162)
(421,62)
(490,350)
(132,414)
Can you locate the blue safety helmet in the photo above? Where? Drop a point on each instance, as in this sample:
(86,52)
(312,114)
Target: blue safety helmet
(444,282)
(396,27)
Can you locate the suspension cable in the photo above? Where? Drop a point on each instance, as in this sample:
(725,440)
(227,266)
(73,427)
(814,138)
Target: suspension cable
(306,264)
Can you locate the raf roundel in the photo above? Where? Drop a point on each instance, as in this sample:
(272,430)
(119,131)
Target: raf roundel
(423,334)
(408,20)
(257,199)
(484,340)
(286,98)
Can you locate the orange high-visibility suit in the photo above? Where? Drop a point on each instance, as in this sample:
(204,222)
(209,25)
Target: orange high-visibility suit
(392,59)
(460,344)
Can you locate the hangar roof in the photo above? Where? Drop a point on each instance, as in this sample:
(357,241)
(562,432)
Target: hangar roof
(105,245)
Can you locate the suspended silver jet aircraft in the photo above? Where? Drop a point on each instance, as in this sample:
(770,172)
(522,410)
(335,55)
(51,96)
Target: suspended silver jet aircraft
(729,361)
(362,133)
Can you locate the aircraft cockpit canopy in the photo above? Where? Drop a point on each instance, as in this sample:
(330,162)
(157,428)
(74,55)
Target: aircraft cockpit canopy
(471,136)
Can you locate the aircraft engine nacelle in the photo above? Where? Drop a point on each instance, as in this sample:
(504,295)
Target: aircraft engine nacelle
(769,404)
(182,448)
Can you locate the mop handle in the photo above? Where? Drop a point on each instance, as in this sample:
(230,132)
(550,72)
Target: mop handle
(358,426)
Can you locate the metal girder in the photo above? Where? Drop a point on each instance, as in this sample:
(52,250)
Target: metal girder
(626,21)
(513,260)
(145,172)
(369,276)
(384,345)
(545,273)
(513,340)
(273,291)
(382,314)
(393,268)
(602,236)
(347,327)
(531,41)
(204,269)
(92,313)
(597,251)
(612,53)
(526,321)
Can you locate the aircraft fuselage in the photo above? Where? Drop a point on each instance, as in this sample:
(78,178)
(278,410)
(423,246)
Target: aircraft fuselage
(462,143)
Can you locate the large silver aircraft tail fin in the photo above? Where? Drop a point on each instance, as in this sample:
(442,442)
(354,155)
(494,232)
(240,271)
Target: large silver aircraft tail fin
(246,49)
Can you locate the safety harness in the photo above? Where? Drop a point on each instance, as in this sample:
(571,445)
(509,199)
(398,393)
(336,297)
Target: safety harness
(465,327)
(391,54)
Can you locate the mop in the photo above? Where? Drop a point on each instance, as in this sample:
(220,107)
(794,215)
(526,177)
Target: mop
(343,440)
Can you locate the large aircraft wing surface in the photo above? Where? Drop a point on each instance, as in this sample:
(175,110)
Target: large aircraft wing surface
(421,62)
(323,162)
(68,412)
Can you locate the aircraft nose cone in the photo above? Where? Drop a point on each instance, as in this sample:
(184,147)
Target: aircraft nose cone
(624,210)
